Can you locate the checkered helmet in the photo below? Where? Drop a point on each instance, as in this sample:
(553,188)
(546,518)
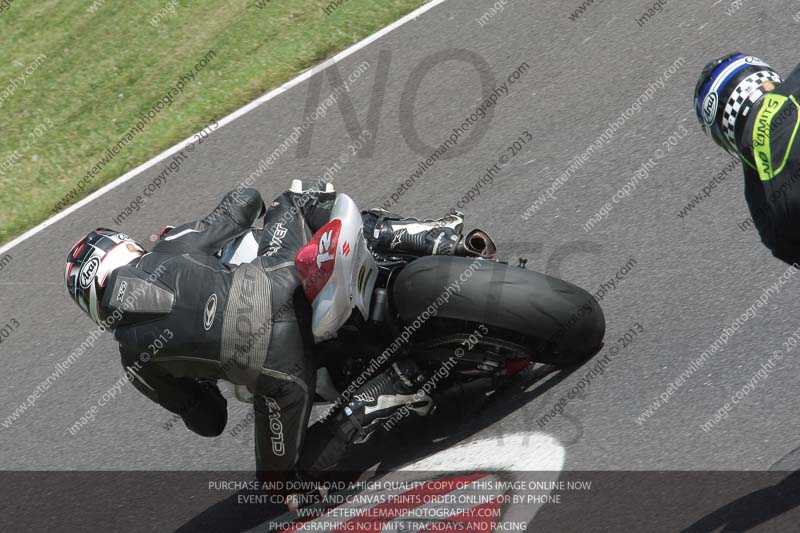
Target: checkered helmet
(90,262)
(727,90)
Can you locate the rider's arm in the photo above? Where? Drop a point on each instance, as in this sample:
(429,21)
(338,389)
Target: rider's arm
(198,402)
(760,209)
(229,220)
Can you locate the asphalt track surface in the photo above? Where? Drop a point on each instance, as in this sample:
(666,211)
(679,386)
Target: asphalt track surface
(693,276)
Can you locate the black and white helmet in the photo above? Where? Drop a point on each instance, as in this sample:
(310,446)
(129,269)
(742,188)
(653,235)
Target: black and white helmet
(90,262)
(726,91)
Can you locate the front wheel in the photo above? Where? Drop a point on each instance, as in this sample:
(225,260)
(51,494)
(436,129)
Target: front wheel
(559,323)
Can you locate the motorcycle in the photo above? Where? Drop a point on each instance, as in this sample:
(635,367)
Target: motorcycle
(469,319)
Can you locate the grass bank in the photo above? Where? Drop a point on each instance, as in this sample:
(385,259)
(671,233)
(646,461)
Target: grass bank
(78,77)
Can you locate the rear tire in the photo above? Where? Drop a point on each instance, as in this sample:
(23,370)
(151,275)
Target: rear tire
(560,323)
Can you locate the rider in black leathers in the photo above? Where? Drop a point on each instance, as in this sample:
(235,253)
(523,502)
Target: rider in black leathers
(751,111)
(183,321)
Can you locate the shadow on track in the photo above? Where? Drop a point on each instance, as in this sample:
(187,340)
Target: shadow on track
(457,418)
(752,510)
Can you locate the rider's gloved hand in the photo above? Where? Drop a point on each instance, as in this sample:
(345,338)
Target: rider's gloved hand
(207,415)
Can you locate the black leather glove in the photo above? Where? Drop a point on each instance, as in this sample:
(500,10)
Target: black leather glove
(207,415)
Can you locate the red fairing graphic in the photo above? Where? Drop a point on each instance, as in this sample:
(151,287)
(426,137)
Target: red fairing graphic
(315,261)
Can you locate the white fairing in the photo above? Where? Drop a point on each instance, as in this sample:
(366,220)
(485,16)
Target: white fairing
(354,275)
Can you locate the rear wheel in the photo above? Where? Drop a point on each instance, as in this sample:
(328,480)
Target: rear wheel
(550,320)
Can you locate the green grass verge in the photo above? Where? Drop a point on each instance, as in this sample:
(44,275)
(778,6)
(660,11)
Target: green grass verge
(76,76)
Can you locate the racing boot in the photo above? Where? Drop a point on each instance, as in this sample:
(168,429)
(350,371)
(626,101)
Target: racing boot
(389,233)
(383,401)
(386,399)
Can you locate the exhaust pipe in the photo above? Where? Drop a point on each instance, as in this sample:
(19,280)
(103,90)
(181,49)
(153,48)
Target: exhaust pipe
(477,243)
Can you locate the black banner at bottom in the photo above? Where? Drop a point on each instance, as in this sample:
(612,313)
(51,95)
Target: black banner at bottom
(405,501)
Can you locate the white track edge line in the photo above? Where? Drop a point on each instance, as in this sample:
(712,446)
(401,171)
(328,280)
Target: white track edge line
(300,78)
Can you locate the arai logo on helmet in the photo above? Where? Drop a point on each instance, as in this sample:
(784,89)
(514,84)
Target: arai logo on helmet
(88,272)
(710,104)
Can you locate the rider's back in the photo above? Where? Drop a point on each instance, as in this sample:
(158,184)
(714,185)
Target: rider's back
(172,308)
(771,152)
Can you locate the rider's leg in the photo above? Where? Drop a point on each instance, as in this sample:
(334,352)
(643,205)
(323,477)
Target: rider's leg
(291,221)
(294,216)
(285,387)
(281,420)
(381,402)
